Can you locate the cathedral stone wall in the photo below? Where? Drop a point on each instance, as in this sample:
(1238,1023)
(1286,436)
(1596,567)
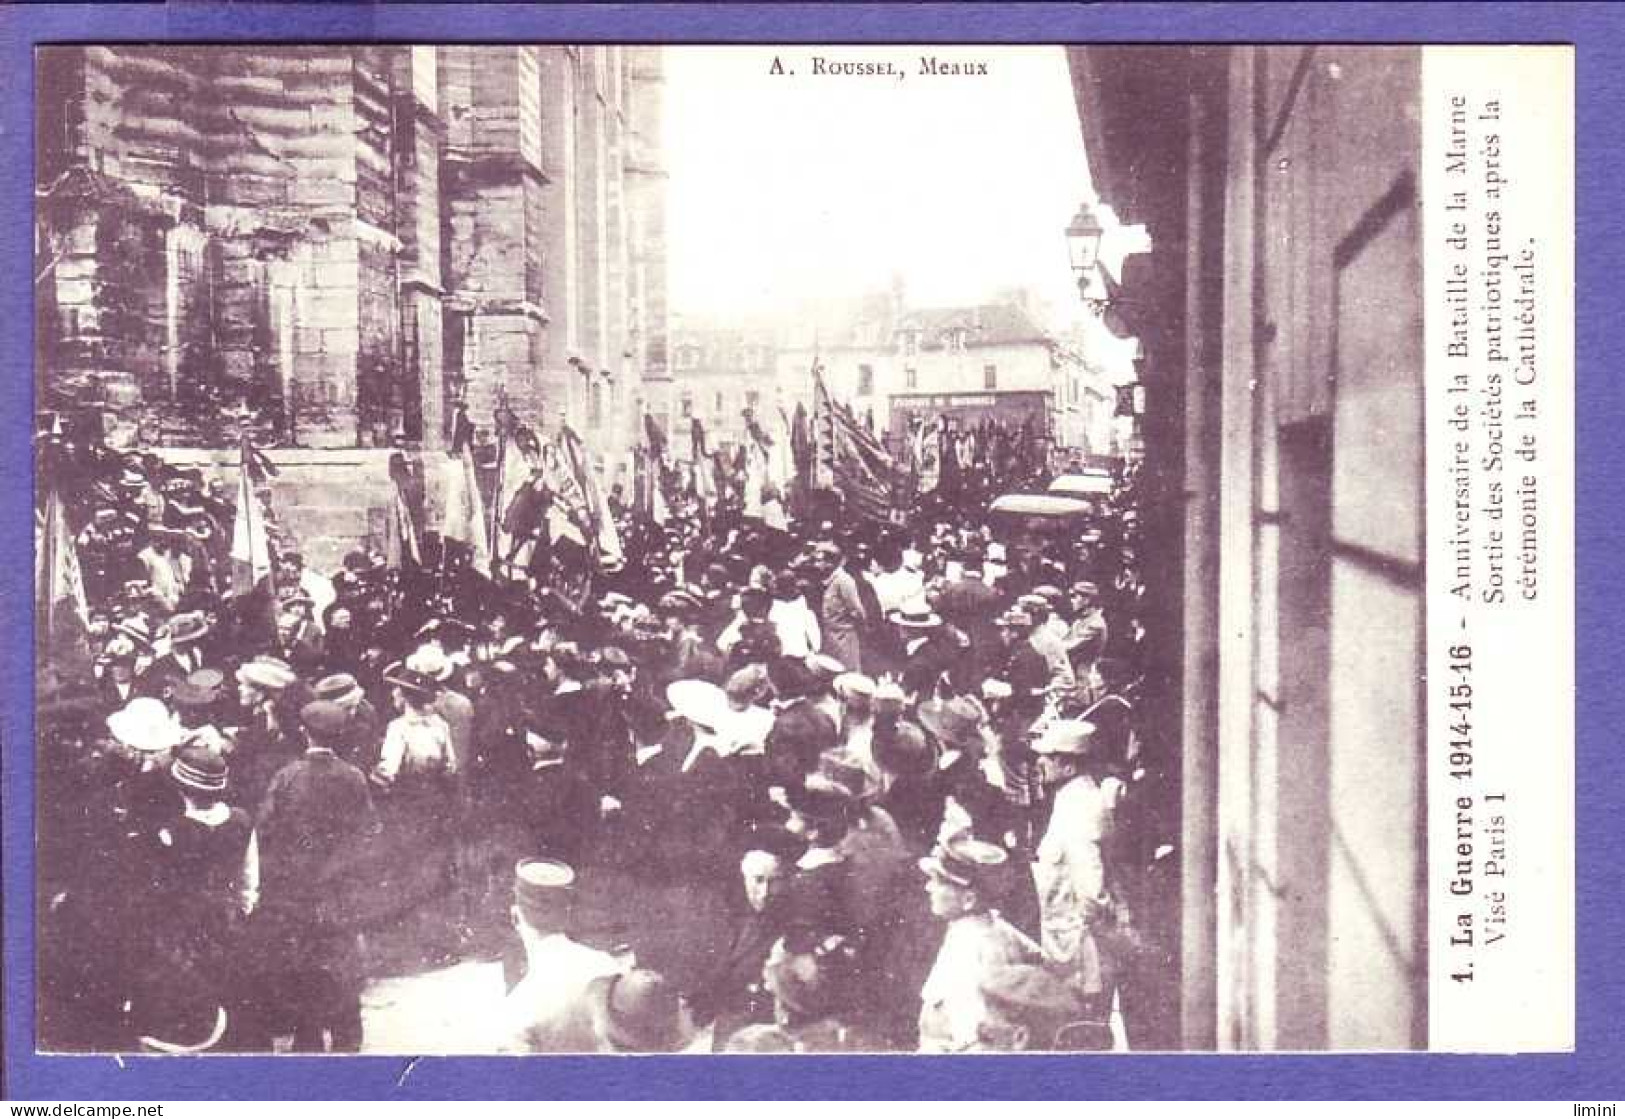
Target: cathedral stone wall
(346,244)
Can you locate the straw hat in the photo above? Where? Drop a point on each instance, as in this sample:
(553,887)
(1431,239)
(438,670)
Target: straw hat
(267,674)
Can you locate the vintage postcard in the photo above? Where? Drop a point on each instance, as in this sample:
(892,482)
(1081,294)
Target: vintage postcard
(598,548)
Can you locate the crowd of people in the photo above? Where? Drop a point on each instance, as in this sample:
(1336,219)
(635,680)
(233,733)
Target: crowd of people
(900,763)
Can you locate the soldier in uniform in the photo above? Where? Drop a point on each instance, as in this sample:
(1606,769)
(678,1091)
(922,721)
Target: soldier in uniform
(547,1011)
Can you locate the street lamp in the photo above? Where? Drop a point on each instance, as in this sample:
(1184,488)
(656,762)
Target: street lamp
(1083,241)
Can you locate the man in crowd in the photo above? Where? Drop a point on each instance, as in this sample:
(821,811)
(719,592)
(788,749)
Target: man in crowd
(842,612)
(317,809)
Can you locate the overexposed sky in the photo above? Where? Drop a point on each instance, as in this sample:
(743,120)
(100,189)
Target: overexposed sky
(785,187)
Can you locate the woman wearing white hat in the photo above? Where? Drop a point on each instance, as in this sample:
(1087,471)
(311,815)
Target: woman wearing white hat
(146,735)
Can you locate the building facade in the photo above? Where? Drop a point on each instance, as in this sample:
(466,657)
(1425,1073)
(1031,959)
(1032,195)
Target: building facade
(718,373)
(346,244)
(1280,315)
(992,361)
(890,364)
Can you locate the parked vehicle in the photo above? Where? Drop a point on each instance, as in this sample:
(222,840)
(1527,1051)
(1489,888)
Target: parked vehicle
(1085,484)
(1042,521)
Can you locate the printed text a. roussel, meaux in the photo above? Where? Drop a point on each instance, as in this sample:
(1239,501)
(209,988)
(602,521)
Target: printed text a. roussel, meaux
(926,65)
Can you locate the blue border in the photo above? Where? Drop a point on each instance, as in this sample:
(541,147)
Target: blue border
(1592,1074)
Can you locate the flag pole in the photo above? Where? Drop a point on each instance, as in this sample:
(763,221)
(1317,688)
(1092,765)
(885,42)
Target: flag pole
(494,519)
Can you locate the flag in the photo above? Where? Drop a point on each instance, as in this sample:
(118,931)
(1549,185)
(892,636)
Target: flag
(462,509)
(755,454)
(648,496)
(603,531)
(567,514)
(947,457)
(801,445)
(781,464)
(705,483)
(402,546)
(858,464)
(654,468)
(514,467)
(250,545)
(655,506)
(659,509)
(655,436)
(58,583)
(924,446)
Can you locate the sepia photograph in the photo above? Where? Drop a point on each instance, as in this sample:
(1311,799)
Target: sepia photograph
(640,549)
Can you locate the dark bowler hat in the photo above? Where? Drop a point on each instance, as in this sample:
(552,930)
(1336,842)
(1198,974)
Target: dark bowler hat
(639,1012)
